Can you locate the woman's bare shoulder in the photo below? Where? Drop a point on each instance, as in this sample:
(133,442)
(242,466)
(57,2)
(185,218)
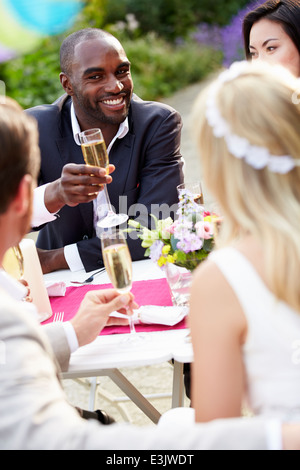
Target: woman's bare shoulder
(213,298)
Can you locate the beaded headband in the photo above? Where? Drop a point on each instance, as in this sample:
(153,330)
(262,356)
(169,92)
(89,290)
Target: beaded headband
(256,156)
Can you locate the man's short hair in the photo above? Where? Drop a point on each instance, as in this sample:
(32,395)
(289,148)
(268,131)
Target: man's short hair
(71,41)
(19,149)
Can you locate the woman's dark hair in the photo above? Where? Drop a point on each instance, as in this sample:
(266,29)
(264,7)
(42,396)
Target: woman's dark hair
(285,12)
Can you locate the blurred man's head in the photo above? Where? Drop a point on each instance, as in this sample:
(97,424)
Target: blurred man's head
(19,166)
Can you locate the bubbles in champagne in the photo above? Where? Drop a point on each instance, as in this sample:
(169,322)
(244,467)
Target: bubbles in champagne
(117,261)
(95,154)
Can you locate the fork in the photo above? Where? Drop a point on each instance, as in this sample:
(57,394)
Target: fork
(58,317)
(89,279)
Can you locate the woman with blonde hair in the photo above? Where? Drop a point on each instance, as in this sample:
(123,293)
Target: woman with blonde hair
(245,299)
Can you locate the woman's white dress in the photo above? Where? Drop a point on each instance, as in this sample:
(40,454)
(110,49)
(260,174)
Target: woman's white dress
(272,348)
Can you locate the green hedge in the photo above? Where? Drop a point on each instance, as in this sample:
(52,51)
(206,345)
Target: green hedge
(160,65)
(33,78)
(168,18)
(158,69)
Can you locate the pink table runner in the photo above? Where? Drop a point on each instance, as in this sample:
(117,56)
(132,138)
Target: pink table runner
(152,292)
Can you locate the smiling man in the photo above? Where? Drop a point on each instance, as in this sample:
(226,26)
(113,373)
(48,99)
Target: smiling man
(101,86)
(143,142)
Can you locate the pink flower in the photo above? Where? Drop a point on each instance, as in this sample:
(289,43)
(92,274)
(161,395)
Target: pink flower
(206,214)
(172,227)
(204,229)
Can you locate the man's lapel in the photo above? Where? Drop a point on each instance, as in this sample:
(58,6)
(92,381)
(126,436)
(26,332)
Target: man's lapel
(121,156)
(70,152)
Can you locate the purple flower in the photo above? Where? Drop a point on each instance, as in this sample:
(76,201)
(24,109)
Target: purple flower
(183,229)
(186,204)
(155,250)
(6,54)
(210,35)
(232,35)
(190,243)
(196,243)
(228,39)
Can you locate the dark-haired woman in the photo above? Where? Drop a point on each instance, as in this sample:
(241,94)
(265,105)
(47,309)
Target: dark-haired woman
(272,34)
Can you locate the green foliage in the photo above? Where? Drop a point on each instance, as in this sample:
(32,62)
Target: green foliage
(93,14)
(160,65)
(191,261)
(218,11)
(159,69)
(169,18)
(172,18)
(33,78)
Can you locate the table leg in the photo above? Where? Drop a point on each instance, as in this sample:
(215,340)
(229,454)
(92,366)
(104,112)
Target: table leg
(132,392)
(93,390)
(178,385)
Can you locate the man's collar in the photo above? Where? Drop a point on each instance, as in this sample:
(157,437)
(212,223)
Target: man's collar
(122,131)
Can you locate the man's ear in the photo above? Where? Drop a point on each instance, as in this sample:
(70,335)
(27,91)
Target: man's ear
(24,195)
(66,84)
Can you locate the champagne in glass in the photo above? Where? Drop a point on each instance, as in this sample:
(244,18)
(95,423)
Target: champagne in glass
(118,266)
(95,154)
(13,262)
(118,263)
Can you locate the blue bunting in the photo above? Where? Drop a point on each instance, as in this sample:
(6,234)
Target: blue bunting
(23,23)
(46,17)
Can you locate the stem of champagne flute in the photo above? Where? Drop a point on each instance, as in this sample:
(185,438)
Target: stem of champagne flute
(130,321)
(108,203)
(131,325)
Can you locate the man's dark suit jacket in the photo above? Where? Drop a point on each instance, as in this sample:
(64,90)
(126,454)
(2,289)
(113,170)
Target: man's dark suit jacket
(148,169)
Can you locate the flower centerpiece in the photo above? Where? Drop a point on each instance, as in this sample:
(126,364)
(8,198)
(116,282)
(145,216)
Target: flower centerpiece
(186,241)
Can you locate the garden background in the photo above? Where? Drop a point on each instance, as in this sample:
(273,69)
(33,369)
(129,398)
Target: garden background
(170,43)
(173,46)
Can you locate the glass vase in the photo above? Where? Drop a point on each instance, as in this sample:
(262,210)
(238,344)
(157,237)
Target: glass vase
(179,280)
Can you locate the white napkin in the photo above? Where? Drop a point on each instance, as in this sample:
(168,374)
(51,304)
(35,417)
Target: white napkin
(153,314)
(56,288)
(160,315)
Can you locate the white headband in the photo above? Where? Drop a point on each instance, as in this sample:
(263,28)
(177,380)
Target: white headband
(240,147)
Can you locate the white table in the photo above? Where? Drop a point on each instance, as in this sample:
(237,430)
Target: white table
(108,353)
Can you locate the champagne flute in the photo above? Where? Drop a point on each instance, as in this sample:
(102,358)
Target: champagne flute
(95,154)
(118,263)
(13,262)
(193,187)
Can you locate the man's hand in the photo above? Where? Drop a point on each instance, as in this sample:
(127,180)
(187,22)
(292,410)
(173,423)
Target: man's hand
(78,184)
(52,260)
(93,313)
